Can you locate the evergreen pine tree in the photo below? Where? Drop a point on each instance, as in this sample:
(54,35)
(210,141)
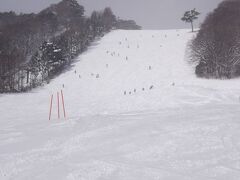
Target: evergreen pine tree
(190,16)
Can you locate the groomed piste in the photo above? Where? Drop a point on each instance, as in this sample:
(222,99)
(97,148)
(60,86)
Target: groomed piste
(134,111)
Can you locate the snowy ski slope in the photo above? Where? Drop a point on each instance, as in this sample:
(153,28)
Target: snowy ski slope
(135,111)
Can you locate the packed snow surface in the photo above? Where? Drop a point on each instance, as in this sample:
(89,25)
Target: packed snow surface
(135,111)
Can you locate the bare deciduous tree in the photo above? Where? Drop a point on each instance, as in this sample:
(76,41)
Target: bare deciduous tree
(216,48)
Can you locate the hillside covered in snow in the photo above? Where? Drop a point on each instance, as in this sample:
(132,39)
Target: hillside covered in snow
(35,48)
(134,110)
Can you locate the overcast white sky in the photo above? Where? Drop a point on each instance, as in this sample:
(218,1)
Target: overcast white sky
(150,14)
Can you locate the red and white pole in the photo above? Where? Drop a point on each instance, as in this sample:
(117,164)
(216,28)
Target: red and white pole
(58,105)
(63,104)
(50,111)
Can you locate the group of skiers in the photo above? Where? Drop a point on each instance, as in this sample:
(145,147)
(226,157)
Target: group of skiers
(126,58)
(135,90)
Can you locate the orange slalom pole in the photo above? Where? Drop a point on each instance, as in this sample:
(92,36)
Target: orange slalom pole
(50,112)
(63,104)
(58,105)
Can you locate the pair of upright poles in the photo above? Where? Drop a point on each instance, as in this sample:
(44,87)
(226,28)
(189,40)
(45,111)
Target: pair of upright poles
(58,105)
